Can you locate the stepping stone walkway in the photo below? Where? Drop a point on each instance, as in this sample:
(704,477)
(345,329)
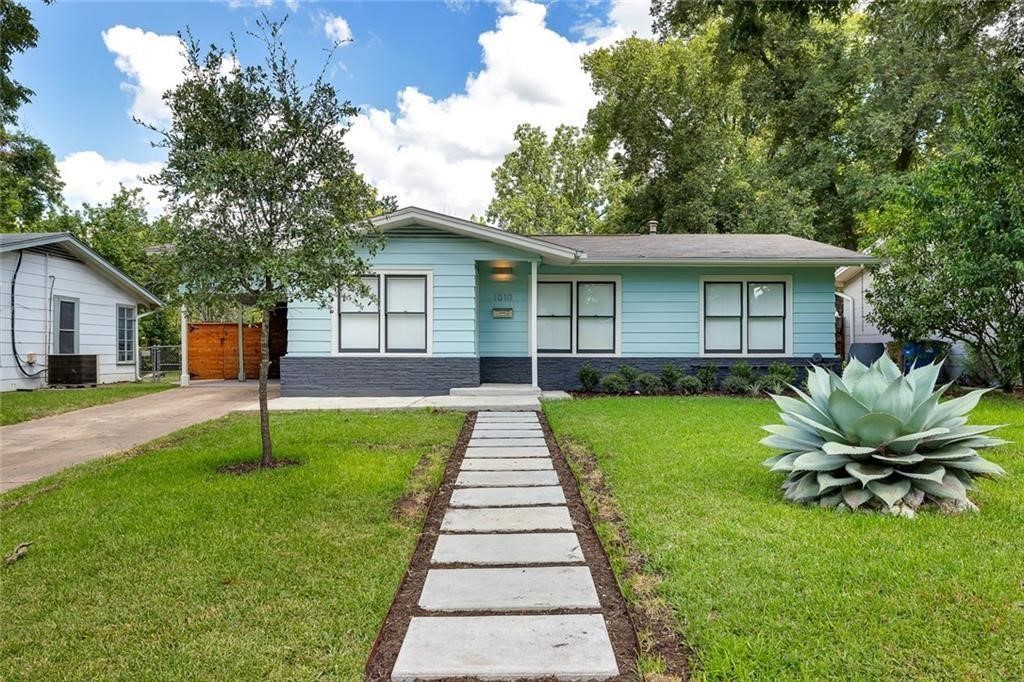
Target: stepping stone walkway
(508,594)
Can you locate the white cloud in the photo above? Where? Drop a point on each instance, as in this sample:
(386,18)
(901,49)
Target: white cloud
(90,178)
(625,18)
(292,5)
(155,64)
(439,153)
(235,4)
(337,29)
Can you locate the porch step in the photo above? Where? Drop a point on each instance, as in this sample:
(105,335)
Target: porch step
(496,390)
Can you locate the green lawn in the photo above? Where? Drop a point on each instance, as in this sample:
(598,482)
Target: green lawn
(20,406)
(158,567)
(764,590)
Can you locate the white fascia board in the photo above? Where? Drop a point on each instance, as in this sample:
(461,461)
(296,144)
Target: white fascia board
(406,217)
(714,262)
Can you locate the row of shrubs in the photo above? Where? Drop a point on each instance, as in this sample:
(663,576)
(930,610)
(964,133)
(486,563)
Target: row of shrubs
(741,380)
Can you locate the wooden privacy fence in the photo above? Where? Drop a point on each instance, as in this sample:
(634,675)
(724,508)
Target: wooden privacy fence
(213,350)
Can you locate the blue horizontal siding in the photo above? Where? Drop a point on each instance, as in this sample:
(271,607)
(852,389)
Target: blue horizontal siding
(660,305)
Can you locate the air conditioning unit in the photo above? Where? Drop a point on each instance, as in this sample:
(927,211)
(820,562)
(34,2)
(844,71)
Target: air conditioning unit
(73,370)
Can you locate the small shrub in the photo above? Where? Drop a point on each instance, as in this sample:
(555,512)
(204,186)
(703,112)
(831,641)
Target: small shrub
(589,377)
(670,376)
(736,385)
(615,384)
(629,373)
(649,384)
(743,370)
(772,383)
(782,372)
(690,385)
(707,375)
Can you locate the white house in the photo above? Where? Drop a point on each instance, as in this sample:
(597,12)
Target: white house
(67,316)
(852,284)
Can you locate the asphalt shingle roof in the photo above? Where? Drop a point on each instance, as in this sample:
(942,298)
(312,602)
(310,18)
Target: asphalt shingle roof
(704,247)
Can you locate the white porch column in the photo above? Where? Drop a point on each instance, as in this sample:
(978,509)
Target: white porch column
(183,380)
(533,323)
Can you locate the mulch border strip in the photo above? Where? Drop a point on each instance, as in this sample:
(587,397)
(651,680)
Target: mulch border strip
(405,605)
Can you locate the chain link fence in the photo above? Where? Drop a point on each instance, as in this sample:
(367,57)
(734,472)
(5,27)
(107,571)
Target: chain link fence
(159,363)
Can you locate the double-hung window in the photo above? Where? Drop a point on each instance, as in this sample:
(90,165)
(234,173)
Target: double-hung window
(747,316)
(554,317)
(125,334)
(65,325)
(392,319)
(576,316)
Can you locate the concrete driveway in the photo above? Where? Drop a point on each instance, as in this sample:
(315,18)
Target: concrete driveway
(37,448)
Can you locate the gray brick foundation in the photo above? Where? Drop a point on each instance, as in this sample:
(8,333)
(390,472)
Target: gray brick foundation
(369,376)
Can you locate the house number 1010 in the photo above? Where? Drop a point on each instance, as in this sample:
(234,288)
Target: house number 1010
(503,298)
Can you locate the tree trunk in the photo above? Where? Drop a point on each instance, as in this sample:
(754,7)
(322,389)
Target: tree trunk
(268,455)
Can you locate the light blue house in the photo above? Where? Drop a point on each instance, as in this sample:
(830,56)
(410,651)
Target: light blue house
(459,304)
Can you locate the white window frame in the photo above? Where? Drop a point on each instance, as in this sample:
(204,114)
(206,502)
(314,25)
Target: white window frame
(745,281)
(382,318)
(118,307)
(57,300)
(574,280)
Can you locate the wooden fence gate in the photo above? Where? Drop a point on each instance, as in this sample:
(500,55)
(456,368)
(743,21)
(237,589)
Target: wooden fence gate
(213,348)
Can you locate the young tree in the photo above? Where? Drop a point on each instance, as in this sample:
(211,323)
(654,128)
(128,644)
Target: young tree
(264,191)
(565,185)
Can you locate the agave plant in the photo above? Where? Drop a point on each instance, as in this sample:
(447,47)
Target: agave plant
(876,439)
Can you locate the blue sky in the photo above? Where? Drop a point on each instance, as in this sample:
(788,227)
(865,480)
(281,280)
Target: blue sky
(442,84)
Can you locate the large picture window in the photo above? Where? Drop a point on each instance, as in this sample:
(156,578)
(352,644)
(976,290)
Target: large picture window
(125,334)
(745,317)
(392,319)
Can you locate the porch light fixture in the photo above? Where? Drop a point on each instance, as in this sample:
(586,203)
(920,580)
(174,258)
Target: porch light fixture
(502,272)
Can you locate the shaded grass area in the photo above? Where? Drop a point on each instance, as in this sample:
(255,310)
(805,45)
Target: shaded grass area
(158,567)
(20,406)
(767,590)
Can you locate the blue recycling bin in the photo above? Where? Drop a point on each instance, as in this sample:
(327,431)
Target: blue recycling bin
(917,353)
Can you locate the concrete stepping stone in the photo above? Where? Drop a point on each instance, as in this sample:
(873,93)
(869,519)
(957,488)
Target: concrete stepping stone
(509,589)
(509,548)
(506,464)
(518,424)
(491,479)
(566,647)
(504,434)
(484,451)
(476,441)
(506,497)
(505,414)
(497,519)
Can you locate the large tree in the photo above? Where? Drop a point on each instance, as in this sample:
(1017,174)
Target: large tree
(30,184)
(562,185)
(263,188)
(952,237)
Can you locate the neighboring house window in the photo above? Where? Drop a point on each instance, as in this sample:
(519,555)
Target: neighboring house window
(392,320)
(554,317)
(359,320)
(595,321)
(65,323)
(745,317)
(125,334)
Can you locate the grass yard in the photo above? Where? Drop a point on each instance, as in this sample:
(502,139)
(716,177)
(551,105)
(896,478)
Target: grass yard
(158,567)
(20,406)
(764,590)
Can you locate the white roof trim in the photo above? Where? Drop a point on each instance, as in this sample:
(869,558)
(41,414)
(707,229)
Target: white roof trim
(80,249)
(797,262)
(412,215)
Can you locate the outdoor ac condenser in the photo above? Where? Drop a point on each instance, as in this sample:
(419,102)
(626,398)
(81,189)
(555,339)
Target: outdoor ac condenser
(73,370)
